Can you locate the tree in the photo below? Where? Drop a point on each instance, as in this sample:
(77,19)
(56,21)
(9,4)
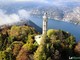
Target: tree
(15,47)
(77,49)
(56,55)
(43,52)
(2,55)
(51,32)
(27,50)
(1,42)
(40,53)
(21,32)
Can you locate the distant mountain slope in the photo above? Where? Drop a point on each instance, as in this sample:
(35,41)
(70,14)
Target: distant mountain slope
(73,16)
(35,26)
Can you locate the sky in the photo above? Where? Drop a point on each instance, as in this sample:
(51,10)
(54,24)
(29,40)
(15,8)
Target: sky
(43,1)
(23,14)
(51,0)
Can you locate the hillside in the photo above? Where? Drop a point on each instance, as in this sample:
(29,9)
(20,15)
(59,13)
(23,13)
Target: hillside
(73,16)
(18,43)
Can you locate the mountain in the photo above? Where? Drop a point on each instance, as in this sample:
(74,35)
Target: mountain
(73,16)
(64,12)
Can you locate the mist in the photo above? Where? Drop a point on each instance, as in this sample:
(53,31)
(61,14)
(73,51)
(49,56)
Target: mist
(13,17)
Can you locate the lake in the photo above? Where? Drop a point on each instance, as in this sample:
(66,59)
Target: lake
(54,24)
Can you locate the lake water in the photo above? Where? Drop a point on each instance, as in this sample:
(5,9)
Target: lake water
(54,24)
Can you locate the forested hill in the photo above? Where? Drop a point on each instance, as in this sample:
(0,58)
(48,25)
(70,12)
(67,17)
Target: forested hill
(18,43)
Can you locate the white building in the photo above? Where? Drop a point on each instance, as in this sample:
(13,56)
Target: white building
(44,29)
(45,19)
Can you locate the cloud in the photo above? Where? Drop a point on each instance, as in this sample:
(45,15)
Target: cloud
(22,0)
(40,1)
(9,1)
(23,14)
(49,0)
(13,18)
(7,19)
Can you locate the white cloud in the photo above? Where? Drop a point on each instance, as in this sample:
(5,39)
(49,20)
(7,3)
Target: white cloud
(49,0)
(65,0)
(24,14)
(22,0)
(43,1)
(6,19)
(12,18)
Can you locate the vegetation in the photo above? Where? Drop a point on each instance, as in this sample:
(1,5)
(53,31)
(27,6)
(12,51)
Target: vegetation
(18,43)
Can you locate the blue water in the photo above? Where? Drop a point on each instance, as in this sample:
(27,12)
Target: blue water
(53,24)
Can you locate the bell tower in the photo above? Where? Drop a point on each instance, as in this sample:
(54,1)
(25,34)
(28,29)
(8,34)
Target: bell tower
(38,38)
(45,19)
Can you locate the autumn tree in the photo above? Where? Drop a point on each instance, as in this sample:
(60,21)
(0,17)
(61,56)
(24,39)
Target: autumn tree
(20,33)
(27,50)
(43,52)
(77,49)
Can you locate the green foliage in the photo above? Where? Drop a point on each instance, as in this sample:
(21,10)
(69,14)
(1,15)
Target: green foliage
(23,55)
(40,53)
(44,50)
(29,47)
(44,39)
(15,47)
(57,55)
(18,43)
(9,56)
(71,40)
(58,34)
(51,32)
(30,38)
(26,50)
(77,49)
(1,42)
(2,55)
(21,32)
(6,56)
